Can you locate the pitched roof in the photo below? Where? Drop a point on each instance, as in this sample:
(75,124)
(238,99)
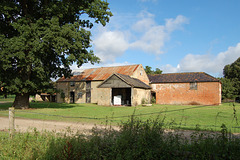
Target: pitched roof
(94,74)
(182,77)
(133,82)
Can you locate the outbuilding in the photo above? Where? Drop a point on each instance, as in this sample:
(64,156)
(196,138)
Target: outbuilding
(193,88)
(119,85)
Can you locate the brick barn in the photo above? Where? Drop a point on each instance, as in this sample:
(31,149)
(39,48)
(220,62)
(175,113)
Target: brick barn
(196,88)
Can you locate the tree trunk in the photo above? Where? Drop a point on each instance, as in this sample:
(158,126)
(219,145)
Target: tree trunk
(21,101)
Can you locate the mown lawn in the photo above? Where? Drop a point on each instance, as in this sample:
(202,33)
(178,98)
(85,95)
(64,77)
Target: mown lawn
(10,98)
(187,117)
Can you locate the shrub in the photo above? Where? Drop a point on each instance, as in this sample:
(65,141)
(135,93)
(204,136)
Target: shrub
(153,100)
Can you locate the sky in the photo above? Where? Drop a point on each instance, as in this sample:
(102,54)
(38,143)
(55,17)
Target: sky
(172,35)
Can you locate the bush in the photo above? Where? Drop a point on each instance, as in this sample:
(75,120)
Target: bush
(153,100)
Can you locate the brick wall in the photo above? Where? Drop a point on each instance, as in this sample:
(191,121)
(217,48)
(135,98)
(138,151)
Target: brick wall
(206,93)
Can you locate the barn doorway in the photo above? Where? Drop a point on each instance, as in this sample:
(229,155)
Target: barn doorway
(121,96)
(153,97)
(72,97)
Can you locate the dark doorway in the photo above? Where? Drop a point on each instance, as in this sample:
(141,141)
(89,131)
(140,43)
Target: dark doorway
(153,97)
(123,94)
(53,98)
(88,92)
(72,97)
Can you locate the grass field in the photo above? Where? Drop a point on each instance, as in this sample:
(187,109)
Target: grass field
(10,98)
(187,117)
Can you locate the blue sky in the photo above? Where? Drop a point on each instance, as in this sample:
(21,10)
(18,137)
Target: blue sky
(173,35)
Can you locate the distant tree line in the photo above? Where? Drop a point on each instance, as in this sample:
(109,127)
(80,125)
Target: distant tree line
(149,70)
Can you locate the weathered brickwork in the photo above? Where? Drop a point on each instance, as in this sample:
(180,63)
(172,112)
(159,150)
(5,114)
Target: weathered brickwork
(206,93)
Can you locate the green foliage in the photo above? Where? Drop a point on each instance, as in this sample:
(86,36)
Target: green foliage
(153,100)
(232,72)
(62,95)
(228,89)
(149,70)
(144,101)
(135,139)
(40,39)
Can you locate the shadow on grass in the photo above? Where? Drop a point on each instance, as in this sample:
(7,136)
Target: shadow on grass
(42,105)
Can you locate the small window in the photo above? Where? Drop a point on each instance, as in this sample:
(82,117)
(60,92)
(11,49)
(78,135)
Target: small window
(193,86)
(80,94)
(72,84)
(141,72)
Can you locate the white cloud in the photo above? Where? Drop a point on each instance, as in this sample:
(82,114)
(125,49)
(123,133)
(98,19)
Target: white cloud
(170,69)
(145,23)
(109,45)
(175,24)
(144,34)
(154,36)
(207,63)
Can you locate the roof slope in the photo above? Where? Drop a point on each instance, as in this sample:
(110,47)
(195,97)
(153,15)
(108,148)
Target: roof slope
(182,77)
(95,74)
(133,82)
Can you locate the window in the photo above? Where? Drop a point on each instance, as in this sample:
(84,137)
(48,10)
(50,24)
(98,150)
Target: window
(72,84)
(141,72)
(80,94)
(193,85)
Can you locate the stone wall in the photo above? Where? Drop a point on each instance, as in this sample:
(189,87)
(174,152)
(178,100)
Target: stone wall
(79,89)
(104,96)
(95,92)
(140,74)
(140,95)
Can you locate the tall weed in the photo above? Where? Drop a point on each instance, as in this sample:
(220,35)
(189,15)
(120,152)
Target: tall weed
(136,139)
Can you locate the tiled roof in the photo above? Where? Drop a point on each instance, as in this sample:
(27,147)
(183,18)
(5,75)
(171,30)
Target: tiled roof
(182,77)
(102,73)
(133,81)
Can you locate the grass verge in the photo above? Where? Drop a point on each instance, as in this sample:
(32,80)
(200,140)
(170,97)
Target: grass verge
(178,116)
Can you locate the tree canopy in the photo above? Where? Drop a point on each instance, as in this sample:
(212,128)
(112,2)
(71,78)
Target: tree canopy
(40,39)
(231,81)
(149,70)
(228,89)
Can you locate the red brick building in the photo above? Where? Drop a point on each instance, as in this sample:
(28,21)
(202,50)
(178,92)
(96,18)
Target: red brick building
(186,88)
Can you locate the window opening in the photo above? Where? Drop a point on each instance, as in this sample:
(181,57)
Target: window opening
(193,86)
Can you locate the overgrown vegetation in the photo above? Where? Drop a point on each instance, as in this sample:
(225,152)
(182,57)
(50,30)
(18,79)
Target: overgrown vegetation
(136,139)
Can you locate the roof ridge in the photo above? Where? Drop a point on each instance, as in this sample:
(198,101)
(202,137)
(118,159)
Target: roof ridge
(182,77)
(180,73)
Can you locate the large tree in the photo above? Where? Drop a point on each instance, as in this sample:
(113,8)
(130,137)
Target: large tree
(232,73)
(40,39)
